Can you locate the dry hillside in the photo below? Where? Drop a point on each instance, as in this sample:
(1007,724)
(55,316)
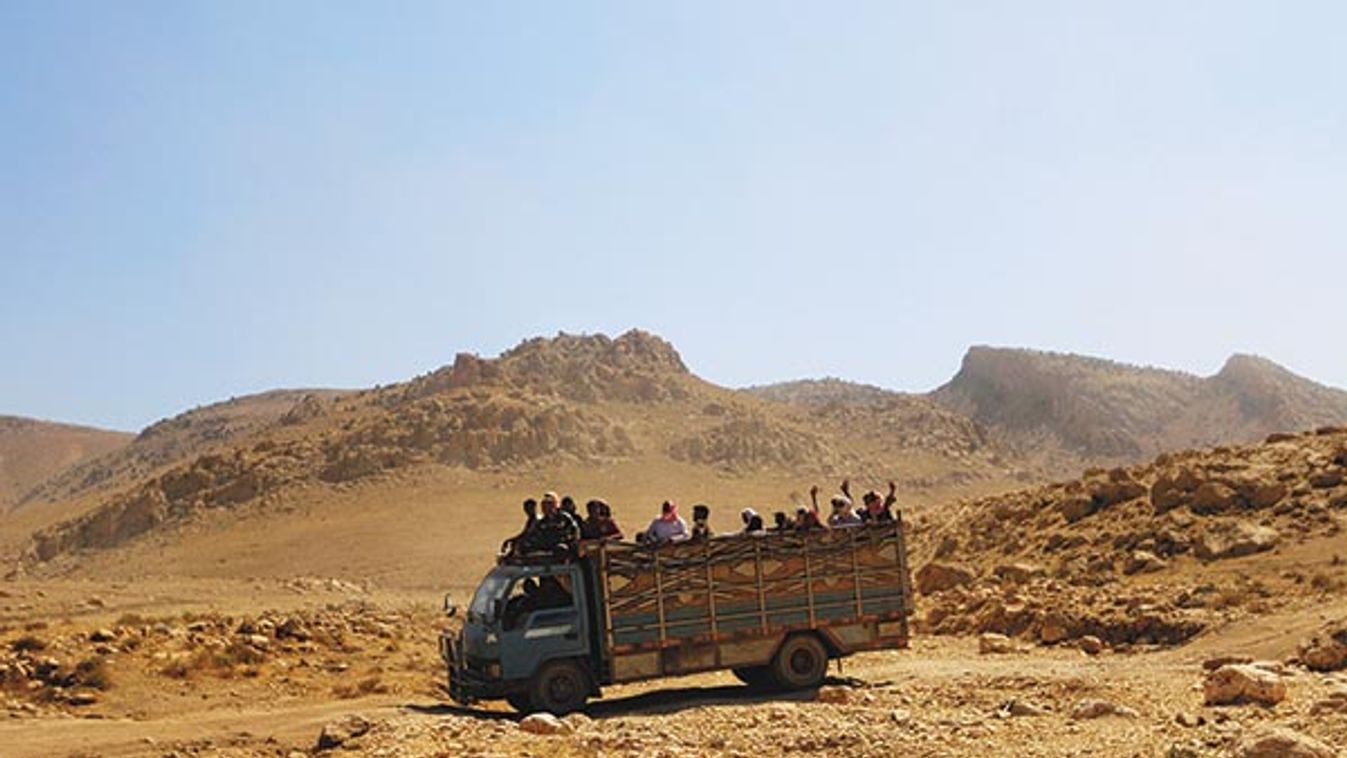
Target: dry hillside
(622,417)
(1072,411)
(1153,553)
(31,451)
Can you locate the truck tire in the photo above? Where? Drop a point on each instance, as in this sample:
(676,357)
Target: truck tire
(520,702)
(800,663)
(558,688)
(757,677)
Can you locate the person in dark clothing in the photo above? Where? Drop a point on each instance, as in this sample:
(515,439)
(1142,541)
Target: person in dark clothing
(781,522)
(520,542)
(806,520)
(701,528)
(558,533)
(599,523)
(877,510)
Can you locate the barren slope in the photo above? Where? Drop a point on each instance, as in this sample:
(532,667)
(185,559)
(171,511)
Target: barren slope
(1071,411)
(402,466)
(31,451)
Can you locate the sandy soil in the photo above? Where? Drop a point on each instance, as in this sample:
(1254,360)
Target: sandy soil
(940,698)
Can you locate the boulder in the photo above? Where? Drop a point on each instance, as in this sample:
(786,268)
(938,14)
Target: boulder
(1018,572)
(1143,562)
(343,730)
(1333,702)
(991,643)
(1326,479)
(835,695)
(102,635)
(1243,683)
(1172,490)
(937,576)
(544,723)
(1074,509)
(1267,494)
(1217,661)
(1214,497)
(1280,742)
(1234,539)
(1112,492)
(1091,645)
(1053,629)
(1326,651)
(1092,708)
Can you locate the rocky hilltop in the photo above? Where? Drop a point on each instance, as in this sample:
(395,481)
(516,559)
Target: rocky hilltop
(574,401)
(31,451)
(1084,410)
(1152,553)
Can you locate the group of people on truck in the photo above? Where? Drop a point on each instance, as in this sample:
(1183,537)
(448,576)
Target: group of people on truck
(559,530)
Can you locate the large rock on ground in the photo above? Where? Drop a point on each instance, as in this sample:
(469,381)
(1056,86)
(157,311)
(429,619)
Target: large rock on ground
(1094,708)
(992,643)
(1279,742)
(1326,652)
(1243,683)
(937,576)
(1215,497)
(341,731)
(544,723)
(1234,539)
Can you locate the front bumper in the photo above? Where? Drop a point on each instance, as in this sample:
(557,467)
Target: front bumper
(468,683)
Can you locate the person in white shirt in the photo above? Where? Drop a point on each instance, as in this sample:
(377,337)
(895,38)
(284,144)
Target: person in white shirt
(667,527)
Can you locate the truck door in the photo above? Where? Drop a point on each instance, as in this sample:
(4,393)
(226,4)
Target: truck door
(548,622)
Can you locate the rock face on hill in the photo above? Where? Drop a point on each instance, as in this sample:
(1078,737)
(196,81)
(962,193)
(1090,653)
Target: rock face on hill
(1098,410)
(195,432)
(32,451)
(1050,562)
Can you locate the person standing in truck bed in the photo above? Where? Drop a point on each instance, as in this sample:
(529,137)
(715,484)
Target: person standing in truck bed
(667,527)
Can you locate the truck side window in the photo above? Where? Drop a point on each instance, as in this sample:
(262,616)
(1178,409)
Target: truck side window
(523,598)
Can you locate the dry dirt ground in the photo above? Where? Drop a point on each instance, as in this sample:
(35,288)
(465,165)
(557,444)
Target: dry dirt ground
(175,681)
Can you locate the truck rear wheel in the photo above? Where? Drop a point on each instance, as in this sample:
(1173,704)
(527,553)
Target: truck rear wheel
(757,677)
(559,688)
(800,663)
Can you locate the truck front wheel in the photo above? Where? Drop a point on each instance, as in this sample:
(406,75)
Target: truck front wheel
(520,702)
(800,663)
(559,688)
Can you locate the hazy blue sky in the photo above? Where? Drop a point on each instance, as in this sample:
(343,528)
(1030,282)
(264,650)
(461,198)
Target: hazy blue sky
(206,199)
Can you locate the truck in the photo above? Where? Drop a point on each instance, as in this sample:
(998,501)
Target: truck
(548,634)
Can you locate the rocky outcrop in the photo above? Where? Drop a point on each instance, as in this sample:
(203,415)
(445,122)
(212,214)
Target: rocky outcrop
(1243,683)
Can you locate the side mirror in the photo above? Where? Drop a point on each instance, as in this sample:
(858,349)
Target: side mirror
(449,608)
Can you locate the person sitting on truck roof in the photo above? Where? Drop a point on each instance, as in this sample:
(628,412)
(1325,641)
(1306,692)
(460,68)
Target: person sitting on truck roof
(520,542)
(752,523)
(557,531)
(701,527)
(667,527)
(843,514)
(879,510)
(599,523)
(807,520)
(781,522)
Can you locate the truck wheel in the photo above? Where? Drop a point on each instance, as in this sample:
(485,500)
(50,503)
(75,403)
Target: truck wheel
(800,663)
(520,702)
(559,688)
(757,677)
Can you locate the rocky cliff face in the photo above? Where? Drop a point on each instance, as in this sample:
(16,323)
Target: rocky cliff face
(1101,410)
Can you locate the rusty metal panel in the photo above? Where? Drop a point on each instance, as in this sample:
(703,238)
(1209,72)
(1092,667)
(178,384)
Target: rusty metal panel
(628,668)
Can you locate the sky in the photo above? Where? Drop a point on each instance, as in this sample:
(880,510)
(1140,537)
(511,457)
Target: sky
(202,200)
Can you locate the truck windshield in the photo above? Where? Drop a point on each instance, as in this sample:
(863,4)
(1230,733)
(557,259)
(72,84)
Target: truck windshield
(492,587)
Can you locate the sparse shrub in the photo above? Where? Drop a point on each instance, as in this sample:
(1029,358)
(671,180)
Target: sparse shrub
(27,644)
(93,673)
